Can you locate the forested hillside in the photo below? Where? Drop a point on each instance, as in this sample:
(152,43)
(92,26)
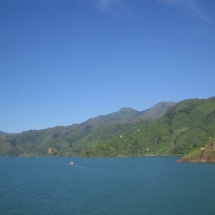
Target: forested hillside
(165,129)
(72,140)
(187,126)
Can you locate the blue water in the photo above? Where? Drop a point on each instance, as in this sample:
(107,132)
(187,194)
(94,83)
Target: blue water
(100,186)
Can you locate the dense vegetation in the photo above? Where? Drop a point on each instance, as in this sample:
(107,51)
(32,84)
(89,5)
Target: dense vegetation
(204,154)
(72,140)
(165,129)
(187,126)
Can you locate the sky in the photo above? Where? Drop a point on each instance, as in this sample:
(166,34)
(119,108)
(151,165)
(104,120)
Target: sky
(65,61)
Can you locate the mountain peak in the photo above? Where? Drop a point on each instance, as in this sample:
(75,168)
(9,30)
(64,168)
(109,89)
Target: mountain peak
(126,109)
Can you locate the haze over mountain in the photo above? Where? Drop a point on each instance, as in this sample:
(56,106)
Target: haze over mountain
(2,133)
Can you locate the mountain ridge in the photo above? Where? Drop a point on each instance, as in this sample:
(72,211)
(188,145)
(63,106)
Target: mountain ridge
(183,128)
(72,139)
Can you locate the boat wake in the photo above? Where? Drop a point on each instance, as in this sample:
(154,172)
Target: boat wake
(83,167)
(91,169)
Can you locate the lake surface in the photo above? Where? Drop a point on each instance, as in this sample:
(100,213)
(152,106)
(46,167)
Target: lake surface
(100,186)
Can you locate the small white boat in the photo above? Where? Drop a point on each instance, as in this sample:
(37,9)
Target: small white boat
(71,163)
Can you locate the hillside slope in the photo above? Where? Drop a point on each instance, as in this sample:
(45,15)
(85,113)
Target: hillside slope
(183,128)
(204,154)
(71,140)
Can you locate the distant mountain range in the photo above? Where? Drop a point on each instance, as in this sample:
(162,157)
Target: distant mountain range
(3,133)
(168,128)
(62,140)
(187,127)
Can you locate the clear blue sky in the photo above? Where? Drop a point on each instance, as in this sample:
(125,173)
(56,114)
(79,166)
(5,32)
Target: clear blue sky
(65,61)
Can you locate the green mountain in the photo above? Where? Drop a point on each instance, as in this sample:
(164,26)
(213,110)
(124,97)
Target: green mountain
(72,140)
(186,126)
